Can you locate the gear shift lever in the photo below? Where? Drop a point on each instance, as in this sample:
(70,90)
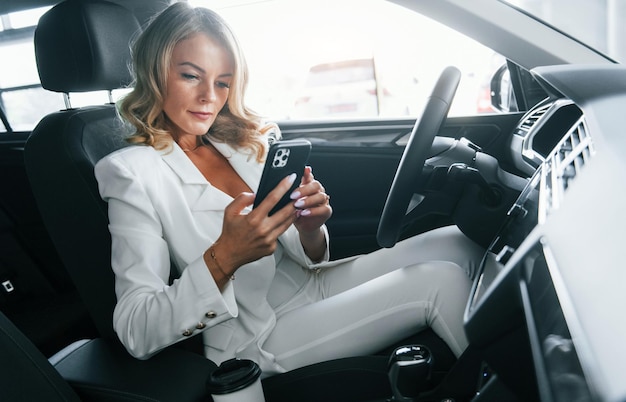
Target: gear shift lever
(409,370)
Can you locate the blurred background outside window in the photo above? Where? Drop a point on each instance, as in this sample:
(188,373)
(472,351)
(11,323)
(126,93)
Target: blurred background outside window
(327,59)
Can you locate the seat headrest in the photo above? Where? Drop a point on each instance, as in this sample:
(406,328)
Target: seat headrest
(84,46)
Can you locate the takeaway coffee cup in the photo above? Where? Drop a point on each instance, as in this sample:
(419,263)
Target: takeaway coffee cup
(236,380)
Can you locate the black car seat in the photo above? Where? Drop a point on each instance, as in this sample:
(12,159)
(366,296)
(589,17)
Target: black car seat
(25,374)
(80,46)
(96,370)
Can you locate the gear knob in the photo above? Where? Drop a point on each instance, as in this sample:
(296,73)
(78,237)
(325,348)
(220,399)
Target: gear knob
(409,370)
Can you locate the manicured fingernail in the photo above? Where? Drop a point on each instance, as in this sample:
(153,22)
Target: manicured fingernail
(305,212)
(299,203)
(292,178)
(295,195)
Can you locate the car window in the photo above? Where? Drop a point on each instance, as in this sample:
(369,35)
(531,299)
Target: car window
(308,60)
(21,96)
(352,58)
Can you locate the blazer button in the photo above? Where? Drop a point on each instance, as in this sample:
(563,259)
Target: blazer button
(200,325)
(187,332)
(211,314)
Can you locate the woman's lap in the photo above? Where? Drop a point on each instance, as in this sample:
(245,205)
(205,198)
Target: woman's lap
(367,303)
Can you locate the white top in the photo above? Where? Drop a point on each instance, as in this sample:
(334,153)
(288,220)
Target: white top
(160,208)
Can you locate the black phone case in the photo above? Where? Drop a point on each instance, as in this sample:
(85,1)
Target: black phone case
(284,158)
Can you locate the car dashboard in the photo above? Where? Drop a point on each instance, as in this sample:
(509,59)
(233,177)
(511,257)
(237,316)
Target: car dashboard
(553,278)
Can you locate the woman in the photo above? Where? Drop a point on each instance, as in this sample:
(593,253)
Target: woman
(255,286)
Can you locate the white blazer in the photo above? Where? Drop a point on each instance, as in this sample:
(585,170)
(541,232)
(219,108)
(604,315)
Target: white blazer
(162,208)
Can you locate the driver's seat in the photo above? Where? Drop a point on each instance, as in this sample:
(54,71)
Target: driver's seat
(60,156)
(80,46)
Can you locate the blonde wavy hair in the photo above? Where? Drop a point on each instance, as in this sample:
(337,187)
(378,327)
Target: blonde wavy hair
(151,52)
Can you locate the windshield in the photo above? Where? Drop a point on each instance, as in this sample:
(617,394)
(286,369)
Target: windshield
(596,23)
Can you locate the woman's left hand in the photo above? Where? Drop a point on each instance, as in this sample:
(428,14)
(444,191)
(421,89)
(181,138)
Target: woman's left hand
(313,204)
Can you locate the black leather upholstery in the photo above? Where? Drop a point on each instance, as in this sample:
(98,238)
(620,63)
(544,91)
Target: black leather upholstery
(98,370)
(101,370)
(76,49)
(25,374)
(80,46)
(60,155)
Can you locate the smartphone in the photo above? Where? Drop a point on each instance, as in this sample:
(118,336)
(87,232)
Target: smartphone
(284,158)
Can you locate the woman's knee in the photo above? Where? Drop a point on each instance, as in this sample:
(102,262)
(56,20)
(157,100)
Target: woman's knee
(437,270)
(438,278)
(446,243)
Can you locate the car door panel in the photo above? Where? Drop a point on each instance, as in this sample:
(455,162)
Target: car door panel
(356,162)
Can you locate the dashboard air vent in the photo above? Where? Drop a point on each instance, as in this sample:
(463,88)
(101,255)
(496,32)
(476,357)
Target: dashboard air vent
(529,121)
(563,165)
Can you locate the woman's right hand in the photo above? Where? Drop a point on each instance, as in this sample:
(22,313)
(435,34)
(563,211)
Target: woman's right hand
(248,237)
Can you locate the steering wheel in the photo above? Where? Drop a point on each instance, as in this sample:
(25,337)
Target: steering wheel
(414,156)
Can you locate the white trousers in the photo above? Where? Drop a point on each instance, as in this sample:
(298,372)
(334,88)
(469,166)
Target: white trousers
(361,305)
